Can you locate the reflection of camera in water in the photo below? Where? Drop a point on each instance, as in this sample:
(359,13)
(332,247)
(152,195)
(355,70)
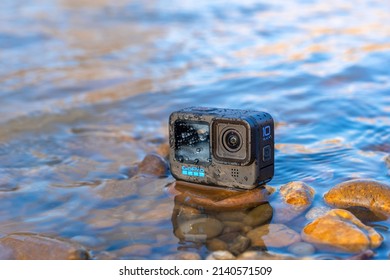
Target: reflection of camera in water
(224,147)
(218,218)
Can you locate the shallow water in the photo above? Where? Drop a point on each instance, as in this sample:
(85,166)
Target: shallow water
(86,88)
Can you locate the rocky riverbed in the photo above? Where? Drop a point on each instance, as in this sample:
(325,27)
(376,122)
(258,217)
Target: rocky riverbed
(219,223)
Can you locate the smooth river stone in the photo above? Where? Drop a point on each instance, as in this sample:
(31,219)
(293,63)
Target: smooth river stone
(259,215)
(154,164)
(293,199)
(199,229)
(239,245)
(339,230)
(263,255)
(216,244)
(28,246)
(273,235)
(370,194)
(218,199)
(221,255)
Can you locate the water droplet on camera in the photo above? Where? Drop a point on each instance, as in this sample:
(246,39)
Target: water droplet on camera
(198,150)
(196,161)
(181,159)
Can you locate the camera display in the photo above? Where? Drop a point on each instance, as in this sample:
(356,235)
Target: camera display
(223,147)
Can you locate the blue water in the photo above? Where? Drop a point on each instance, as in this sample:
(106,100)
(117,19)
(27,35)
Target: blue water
(86,88)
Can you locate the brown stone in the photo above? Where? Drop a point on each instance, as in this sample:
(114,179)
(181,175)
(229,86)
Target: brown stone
(199,229)
(153,164)
(216,244)
(294,198)
(340,230)
(259,215)
(28,246)
(219,199)
(239,244)
(297,193)
(370,194)
(273,235)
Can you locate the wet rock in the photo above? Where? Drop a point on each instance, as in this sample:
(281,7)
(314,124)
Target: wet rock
(317,212)
(340,230)
(366,255)
(297,193)
(154,164)
(365,215)
(234,216)
(294,198)
(183,256)
(216,244)
(273,235)
(186,212)
(230,226)
(219,199)
(28,246)
(6,253)
(263,255)
(239,244)
(370,194)
(228,237)
(301,249)
(199,229)
(221,255)
(259,215)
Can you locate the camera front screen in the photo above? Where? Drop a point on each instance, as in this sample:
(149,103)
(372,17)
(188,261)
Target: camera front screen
(192,142)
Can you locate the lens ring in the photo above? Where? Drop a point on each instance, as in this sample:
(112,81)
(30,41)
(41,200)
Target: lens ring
(232,140)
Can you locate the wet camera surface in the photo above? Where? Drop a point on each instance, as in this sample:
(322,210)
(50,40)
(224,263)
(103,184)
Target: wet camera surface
(223,147)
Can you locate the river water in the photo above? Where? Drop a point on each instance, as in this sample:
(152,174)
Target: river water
(86,88)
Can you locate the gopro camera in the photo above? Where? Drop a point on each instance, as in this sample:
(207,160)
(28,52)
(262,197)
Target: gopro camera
(222,147)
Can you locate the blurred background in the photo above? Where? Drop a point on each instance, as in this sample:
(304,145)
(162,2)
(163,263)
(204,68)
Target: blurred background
(86,88)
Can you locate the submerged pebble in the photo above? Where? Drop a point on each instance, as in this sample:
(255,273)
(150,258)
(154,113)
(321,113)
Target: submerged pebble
(28,246)
(221,255)
(239,244)
(340,230)
(370,194)
(301,249)
(263,255)
(273,235)
(259,215)
(199,229)
(216,244)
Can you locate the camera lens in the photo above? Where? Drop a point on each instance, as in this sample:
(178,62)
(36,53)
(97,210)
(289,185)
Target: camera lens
(232,140)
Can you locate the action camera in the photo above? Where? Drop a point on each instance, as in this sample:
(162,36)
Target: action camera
(221,147)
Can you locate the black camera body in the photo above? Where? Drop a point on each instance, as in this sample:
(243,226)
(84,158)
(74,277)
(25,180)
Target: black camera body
(222,147)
